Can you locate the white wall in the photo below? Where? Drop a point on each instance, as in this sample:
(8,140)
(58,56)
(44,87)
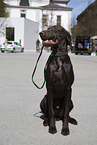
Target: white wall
(12,2)
(37,3)
(65,18)
(31,34)
(14,12)
(18,24)
(26,30)
(36,15)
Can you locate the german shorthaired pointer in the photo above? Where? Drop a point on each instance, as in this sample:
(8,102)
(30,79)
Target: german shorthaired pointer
(59,76)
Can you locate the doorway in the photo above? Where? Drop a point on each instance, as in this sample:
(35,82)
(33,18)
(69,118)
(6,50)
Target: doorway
(10,33)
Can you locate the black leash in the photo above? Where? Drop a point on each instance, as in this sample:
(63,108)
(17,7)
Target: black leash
(35,71)
(51,56)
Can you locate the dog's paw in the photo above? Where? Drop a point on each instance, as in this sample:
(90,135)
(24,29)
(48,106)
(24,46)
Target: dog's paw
(45,122)
(52,130)
(73,121)
(65,131)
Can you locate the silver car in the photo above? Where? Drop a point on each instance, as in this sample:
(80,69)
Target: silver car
(14,47)
(11,46)
(2,47)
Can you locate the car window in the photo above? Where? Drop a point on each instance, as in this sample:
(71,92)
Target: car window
(19,44)
(16,43)
(9,42)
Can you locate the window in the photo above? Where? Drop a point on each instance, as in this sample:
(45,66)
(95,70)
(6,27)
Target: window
(44,20)
(9,42)
(59,20)
(16,43)
(10,33)
(23,15)
(24,2)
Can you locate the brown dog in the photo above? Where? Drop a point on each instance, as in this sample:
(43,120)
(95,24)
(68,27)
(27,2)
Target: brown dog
(59,78)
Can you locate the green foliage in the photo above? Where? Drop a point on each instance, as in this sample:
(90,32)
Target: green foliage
(3,12)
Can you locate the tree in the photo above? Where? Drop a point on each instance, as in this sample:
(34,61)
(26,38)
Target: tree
(3,12)
(3,15)
(3,25)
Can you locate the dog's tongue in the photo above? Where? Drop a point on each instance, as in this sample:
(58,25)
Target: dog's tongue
(50,42)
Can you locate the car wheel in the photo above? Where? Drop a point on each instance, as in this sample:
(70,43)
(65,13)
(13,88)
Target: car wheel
(13,50)
(22,50)
(2,51)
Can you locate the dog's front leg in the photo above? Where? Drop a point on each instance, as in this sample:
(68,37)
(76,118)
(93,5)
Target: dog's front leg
(65,128)
(52,127)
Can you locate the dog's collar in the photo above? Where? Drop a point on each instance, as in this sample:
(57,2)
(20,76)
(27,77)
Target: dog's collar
(59,54)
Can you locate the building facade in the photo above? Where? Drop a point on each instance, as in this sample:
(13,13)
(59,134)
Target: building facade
(21,30)
(43,12)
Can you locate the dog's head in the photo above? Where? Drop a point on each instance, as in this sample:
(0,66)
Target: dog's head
(56,37)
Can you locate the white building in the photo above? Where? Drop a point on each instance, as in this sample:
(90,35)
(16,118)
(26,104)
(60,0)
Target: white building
(42,13)
(21,30)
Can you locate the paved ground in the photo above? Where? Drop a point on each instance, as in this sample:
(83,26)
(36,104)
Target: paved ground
(20,122)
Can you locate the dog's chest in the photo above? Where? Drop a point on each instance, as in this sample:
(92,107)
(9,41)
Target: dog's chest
(56,71)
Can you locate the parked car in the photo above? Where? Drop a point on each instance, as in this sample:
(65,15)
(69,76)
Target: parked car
(2,47)
(12,46)
(82,45)
(95,47)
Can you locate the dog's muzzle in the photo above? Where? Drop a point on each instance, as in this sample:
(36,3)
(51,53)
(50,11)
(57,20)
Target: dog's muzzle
(48,41)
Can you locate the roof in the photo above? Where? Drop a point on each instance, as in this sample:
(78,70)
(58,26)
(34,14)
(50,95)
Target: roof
(50,6)
(23,7)
(53,6)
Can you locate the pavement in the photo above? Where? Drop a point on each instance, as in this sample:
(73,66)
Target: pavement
(20,122)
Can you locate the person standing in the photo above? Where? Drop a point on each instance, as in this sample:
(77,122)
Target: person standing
(37,45)
(5,43)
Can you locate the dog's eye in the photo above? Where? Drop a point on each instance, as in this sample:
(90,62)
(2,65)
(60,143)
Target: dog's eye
(54,29)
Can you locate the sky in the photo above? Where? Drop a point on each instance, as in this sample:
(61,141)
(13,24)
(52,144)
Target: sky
(78,6)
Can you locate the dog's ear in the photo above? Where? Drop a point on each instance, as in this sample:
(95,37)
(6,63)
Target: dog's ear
(67,37)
